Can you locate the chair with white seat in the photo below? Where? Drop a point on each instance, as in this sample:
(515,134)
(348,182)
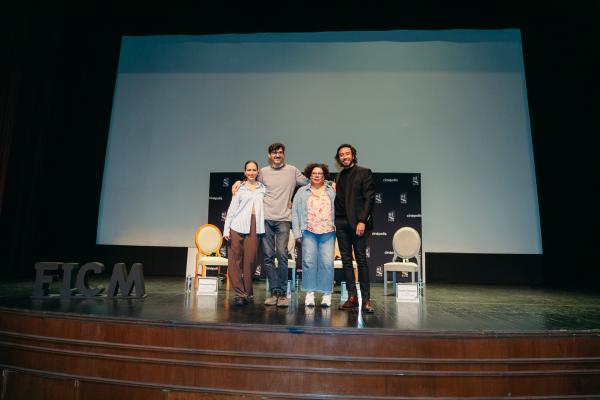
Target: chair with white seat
(209,240)
(406,243)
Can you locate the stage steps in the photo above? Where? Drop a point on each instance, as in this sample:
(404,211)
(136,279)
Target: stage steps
(82,357)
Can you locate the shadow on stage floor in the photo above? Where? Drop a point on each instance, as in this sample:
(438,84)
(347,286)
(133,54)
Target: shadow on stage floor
(445,307)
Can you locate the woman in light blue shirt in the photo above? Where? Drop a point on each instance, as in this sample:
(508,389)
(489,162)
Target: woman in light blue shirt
(244,222)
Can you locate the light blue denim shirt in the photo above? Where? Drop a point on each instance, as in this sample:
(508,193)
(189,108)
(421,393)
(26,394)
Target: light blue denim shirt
(239,213)
(300,208)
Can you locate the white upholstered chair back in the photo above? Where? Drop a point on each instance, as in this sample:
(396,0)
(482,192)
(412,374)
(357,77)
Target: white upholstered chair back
(406,243)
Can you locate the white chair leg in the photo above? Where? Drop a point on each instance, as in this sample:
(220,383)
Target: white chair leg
(384,282)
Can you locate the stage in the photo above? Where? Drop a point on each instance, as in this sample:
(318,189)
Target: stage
(445,307)
(459,341)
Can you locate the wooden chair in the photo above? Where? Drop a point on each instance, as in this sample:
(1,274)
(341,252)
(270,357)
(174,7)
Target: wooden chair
(208,240)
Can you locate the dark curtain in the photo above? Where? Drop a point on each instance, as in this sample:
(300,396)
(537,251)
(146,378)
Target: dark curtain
(13,41)
(61,71)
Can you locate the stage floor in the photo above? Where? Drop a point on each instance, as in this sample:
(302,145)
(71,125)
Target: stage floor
(445,307)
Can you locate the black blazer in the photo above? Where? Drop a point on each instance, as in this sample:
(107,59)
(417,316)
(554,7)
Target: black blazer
(359,196)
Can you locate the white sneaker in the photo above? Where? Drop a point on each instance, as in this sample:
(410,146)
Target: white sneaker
(326,302)
(309,300)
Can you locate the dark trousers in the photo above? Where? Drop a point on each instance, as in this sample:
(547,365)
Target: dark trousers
(347,240)
(242,260)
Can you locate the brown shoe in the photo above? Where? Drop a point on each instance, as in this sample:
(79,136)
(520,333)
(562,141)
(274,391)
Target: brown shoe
(350,304)
(282,301)
(271,301)
(367,307)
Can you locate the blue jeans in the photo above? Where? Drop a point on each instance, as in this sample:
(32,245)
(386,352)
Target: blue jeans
(275,243)
(317,261)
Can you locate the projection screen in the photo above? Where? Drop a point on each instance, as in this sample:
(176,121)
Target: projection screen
(451,105)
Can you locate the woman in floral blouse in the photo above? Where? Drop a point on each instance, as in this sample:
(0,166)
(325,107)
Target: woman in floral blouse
(313,222)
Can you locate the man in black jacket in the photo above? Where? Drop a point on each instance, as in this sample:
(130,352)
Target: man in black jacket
(355,195)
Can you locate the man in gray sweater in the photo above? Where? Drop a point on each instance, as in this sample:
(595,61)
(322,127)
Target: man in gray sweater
(280,180)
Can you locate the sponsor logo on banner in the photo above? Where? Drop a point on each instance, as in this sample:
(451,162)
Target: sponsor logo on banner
(390,180)
(415,180)
(223,216)
(225,182)
(413,215)
(215,198)
(391,216)
(378,198)
(368,251)
(403,198)
(379,271)
(378,233)
(388,252)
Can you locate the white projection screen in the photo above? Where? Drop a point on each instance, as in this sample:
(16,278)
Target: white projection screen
(451,105)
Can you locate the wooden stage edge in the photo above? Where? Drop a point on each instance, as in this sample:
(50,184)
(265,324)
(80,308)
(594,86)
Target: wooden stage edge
(67,356)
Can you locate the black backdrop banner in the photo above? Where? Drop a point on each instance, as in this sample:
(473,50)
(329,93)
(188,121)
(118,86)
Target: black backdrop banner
(397,204)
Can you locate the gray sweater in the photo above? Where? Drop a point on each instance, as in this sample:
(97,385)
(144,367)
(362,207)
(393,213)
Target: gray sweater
(280,184)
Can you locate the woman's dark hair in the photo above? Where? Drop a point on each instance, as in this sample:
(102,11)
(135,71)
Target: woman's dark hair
(246,164)
(337,156)
(309,168)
